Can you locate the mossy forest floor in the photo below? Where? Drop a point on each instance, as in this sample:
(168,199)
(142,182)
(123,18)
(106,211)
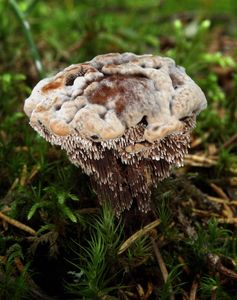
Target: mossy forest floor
(56,242)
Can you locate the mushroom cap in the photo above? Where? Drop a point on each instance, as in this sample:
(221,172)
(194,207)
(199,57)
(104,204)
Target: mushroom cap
(100,99)
(124,118)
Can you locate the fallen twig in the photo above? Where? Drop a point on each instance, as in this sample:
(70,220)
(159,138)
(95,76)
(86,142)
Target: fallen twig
(200,160)
(227,210)
(219,191)
(161,262)
(215,262)
(137,235)
(230,141)
(228,221)
(221,201)
(193,291)
(7,199)
(204,213)
(17,224)
(28,36)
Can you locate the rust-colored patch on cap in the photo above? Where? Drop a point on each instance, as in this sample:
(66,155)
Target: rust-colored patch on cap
(109,87)
(117,88)
(53,85)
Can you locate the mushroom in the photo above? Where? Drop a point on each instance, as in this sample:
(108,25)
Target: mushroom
(125,119)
